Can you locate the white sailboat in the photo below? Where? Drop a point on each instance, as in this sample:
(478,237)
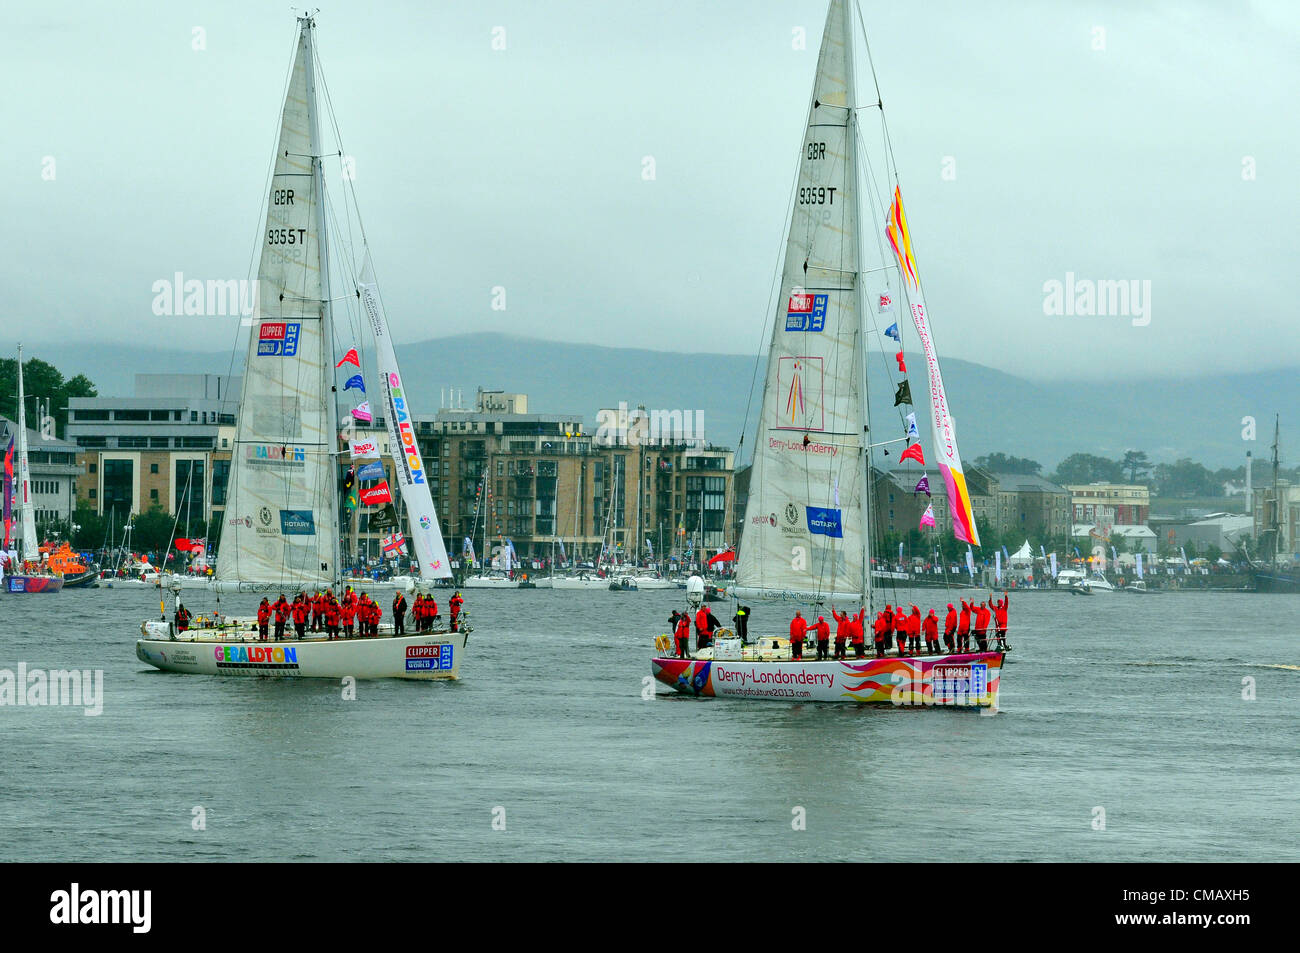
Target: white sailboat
(806,538)
(281,534)
(25,572)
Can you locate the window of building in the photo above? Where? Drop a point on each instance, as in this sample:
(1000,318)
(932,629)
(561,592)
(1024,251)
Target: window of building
(92,441)
(158,443)
(133,443)
(91,467)
(153,468)
(90,415)
(159,414)
(194,416)
(153,495)
(93,493)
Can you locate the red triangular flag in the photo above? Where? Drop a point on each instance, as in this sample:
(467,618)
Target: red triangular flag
(912,453)
(902,368)
(349,358)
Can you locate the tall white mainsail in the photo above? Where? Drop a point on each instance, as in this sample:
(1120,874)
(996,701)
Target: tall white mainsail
(804,531)
(282,508)
(407,463)
(26,517)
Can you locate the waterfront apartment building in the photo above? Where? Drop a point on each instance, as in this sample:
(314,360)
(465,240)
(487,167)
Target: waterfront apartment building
(546,483)
(53,470)
(1013,503)
(1127,504)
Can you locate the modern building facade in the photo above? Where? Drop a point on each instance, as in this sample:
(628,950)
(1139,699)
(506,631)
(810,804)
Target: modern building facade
(167,446)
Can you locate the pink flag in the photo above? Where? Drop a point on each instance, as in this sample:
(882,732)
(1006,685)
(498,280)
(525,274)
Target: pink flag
(362,412)
(349,358)
(927,518)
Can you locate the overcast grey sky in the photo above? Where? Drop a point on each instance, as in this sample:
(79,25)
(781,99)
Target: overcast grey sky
(522,168)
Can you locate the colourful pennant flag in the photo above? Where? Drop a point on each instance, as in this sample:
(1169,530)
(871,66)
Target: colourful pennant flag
(913,452)
(886,303)
(371,471)
(892,332)
(349,358)
(362,412)
(927,518)
(374,495)
(363,449)
(922,486)
(902,368)
(903,395)
(911,427)
(355,383)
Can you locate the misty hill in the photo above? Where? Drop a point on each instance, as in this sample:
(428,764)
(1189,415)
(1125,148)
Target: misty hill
(995,411)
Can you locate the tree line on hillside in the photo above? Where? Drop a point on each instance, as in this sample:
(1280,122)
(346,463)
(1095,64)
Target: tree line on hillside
(1184,478)
(44,381)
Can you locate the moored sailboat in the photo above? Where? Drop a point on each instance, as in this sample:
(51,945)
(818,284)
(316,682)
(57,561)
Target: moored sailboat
(282,532)
(806,538)
(25,571)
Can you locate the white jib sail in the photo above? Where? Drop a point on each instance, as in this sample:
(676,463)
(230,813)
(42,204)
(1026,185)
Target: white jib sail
(282,508)
(803,531)
(411,477)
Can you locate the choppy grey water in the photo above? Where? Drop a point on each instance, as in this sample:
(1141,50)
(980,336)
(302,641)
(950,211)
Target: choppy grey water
(1128,704)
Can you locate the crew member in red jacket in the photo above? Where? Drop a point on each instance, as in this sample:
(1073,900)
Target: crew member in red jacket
(823,638)
(347,614)
(300,613)
(331,616)
(900,629)
(963,627)
(281,616)
(456,602)
(702,632)
(982,616)
(683,635)
(930,626)
(843,628)
(914,631)
(317,604)
(1000,617)
(798,632)
(881,631)
(857,637)
(263,617)
(950,628)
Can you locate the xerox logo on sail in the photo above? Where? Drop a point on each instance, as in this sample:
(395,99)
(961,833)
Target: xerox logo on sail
(278,339)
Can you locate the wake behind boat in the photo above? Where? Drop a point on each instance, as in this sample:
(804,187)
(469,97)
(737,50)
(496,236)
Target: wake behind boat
(286,478)
(807,534)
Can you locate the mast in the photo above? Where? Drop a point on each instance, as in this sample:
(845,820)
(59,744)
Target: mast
(30,549)
(307,24)
(860,356)
(1277,493)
